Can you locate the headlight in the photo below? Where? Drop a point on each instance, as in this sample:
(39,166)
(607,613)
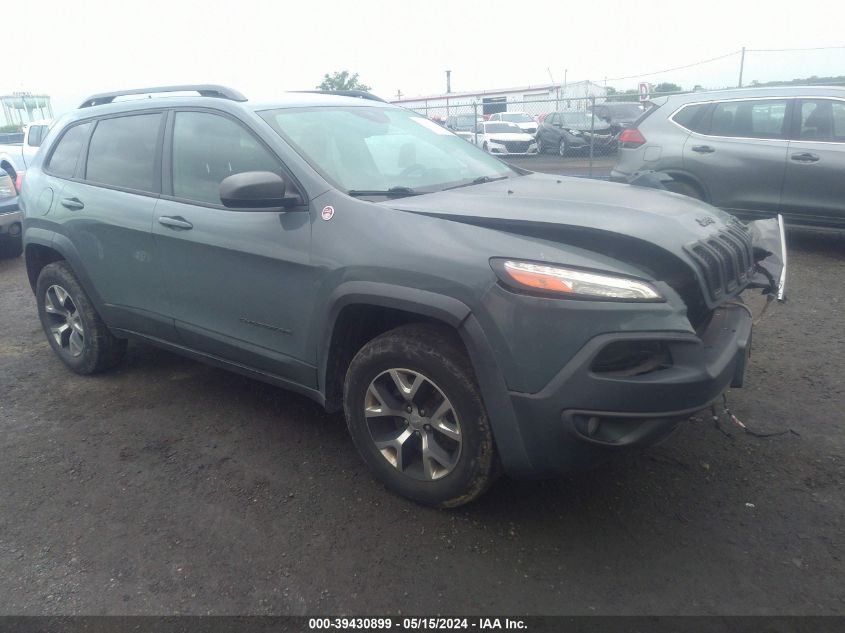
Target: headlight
(575,132)
(572,283)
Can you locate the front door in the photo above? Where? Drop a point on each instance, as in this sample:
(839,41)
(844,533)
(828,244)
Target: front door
(814,186)
(240,282)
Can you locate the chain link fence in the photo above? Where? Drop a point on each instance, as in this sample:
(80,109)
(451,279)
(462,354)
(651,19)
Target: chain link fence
(572,135)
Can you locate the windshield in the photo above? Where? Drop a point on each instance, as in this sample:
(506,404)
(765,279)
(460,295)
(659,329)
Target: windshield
(578,120)
(502,128)
(465,122)
(371,148)
(517,117)
(624,110)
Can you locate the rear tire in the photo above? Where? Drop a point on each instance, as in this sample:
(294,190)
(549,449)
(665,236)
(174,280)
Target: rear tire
(74,329)
(541,149)
(444,460)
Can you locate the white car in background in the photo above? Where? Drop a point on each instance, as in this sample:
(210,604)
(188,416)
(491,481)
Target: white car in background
(499,137)
(526,122)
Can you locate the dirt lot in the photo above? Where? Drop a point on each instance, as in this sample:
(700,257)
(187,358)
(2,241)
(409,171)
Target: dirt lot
(171,487)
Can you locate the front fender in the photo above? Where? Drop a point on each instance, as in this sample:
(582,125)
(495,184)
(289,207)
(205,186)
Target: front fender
(458,315)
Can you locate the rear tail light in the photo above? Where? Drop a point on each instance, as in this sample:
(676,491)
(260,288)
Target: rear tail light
(631,137)
(19,181)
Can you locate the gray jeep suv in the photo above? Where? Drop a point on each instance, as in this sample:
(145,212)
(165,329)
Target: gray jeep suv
(754,152)
(463,314)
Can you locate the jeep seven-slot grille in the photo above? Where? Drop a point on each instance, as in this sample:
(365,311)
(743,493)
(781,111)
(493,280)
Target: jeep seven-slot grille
(726,260)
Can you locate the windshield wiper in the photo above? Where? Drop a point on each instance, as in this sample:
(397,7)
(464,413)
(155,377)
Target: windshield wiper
(478,181)
(393,192)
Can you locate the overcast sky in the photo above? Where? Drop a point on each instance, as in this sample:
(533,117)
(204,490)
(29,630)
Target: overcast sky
(263,48)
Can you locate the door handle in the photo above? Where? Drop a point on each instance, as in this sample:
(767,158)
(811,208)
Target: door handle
(703,149)
(805,157)
(74,204)
(175,222)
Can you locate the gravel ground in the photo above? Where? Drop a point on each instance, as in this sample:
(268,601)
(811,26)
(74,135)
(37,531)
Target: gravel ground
(170,487)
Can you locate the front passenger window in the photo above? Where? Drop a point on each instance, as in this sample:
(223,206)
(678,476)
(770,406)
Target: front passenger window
(208,148)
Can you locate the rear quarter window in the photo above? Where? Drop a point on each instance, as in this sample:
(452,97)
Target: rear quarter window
(692,117)
(64,158)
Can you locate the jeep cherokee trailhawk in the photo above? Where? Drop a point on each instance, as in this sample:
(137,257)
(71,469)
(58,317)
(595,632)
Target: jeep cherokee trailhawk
(463,313)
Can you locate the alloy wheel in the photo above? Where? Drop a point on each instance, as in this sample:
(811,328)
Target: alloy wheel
(413,424)
(64,319)
(562,148)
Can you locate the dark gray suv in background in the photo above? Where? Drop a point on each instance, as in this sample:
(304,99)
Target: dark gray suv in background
(463,313)
(754,152)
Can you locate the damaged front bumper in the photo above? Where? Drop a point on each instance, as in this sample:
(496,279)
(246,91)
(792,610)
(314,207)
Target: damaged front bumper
(582,415)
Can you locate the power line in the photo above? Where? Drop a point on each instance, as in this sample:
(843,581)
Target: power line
(783,50)
(668,70)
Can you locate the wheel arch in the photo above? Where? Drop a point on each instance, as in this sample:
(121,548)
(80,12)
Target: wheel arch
(686,177)
(360,311)
(43,247)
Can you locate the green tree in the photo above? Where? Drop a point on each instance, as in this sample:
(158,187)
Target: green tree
(342,80)
(665,86)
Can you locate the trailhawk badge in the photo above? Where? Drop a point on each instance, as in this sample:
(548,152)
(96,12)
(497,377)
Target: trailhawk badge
(328,213)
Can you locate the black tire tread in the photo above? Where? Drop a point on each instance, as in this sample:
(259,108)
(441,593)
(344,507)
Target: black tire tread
(442,345)
(105,349)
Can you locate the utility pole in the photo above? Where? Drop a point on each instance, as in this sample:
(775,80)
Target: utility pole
(448,81)
(398,94)
(741,66)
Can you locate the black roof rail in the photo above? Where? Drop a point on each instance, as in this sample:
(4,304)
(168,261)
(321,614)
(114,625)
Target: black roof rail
(205,90)
(360,94)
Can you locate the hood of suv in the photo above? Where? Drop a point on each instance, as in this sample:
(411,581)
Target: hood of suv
(667,220)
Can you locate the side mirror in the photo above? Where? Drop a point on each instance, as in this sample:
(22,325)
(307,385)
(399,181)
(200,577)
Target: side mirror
(256,190)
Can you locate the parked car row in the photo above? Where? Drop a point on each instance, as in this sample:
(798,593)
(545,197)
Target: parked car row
(565,132)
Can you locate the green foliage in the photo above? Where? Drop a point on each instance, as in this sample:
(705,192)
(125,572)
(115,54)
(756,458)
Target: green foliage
(10,128)
(807,81)
(342,80)
(666,86)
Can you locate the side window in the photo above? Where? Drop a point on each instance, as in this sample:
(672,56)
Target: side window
(122,152)
(749,119)
(822,120)
(692,117)
(208,148)
(552,118)
(63,160)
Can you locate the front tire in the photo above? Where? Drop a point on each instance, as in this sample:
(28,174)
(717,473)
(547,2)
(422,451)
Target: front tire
(416,416)
(74,330)
(541,149)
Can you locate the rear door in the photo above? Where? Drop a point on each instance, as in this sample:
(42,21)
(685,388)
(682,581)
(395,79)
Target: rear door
(739,154)
(814,186)
(106,179)
(240,282)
